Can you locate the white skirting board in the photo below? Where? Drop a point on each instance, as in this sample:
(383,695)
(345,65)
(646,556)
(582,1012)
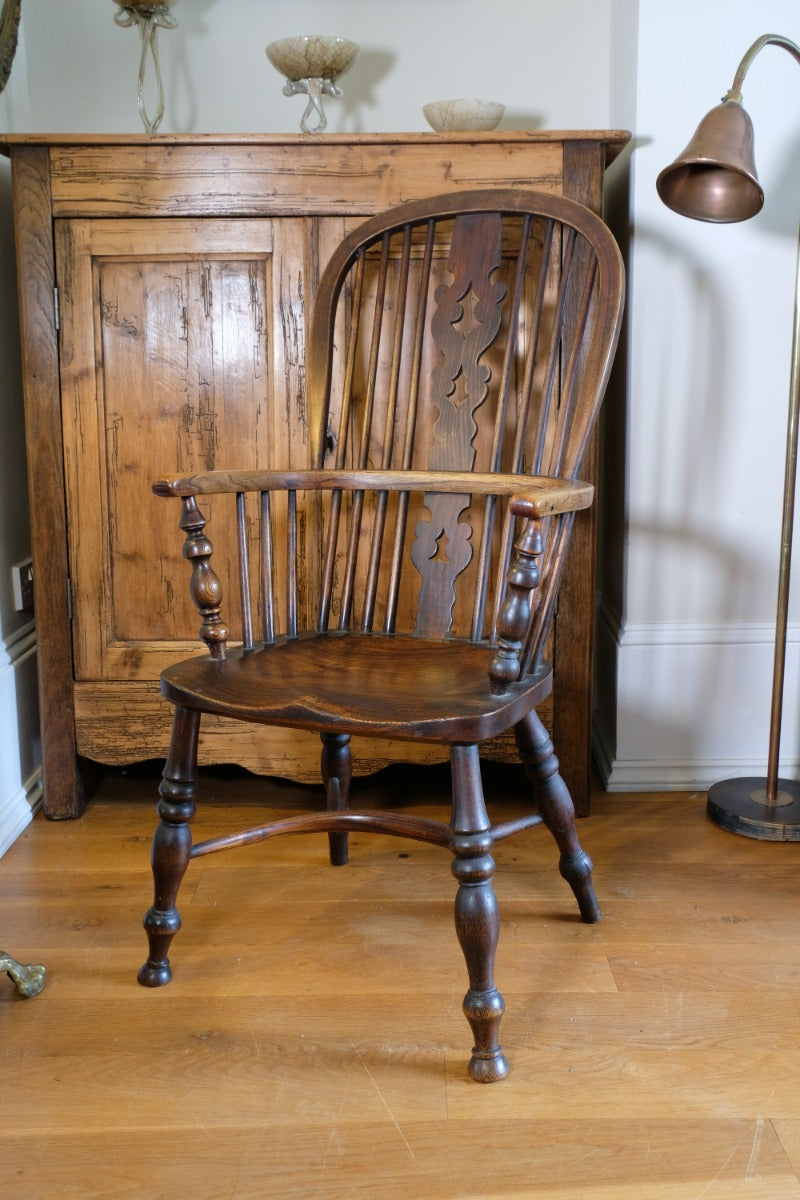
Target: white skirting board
(20,762)
(680,707)
(17,811)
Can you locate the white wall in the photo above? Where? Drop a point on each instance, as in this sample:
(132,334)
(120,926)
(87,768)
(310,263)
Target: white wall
(690,644)
(522,52)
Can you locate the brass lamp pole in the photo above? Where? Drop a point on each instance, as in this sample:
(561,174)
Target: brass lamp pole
(714,179)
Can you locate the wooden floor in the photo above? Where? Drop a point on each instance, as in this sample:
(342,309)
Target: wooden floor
(311,1043)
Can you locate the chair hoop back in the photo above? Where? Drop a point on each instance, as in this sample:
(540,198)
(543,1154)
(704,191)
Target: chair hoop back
(458,353)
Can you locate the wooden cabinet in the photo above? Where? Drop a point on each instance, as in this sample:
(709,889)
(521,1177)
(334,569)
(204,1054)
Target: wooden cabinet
(164,284)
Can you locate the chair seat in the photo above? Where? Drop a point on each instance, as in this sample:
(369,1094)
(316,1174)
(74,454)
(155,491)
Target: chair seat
(379,685)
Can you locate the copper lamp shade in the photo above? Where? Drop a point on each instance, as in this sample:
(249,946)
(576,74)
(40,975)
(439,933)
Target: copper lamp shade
(715,179)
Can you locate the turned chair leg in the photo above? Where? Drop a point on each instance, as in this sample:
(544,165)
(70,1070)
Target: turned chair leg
(476,913)
(172,845)
(337,772)
(558,812)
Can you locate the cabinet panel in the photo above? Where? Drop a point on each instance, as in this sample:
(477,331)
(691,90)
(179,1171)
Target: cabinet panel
(181,349)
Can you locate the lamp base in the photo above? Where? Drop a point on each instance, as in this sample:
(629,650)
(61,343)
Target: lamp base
(740,805)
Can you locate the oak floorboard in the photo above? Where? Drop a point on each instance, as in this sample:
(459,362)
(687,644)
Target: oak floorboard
(789,1134)
(750,967)
(311,1043)
(724,1160)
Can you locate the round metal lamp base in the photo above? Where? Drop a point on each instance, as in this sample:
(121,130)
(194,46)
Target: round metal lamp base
(740,805)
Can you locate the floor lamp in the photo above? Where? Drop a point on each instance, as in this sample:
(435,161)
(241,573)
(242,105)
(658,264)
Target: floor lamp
(714,179)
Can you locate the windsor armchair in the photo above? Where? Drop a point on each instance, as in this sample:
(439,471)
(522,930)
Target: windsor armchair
(404,586)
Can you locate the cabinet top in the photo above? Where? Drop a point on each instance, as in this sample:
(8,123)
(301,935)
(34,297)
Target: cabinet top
(614,139)
(254,175)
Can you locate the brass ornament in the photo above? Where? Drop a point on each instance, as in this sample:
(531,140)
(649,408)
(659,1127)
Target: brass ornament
(29,980)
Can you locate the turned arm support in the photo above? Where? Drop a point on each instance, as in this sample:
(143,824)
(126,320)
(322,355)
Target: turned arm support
(205,587)
(514,618)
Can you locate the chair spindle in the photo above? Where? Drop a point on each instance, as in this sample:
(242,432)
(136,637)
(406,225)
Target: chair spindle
(329,564)
(357,285)
(351,560)
(244,572)
(554,354)
(412,411)
(267,569)
(291,562)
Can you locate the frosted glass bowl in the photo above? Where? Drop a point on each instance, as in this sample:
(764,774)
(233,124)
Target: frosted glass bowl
(311,64)
(446,116)
(312,56)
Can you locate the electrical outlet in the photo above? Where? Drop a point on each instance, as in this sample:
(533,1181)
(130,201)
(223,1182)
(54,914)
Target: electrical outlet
(22,582)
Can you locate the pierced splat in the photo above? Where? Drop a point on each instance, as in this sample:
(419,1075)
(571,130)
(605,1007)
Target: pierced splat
(470,319)
(440,554)
(441,551)
(465,323)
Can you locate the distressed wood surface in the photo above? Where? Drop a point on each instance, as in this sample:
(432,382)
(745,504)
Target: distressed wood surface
(655,1055)
(40,364)
(250,175)
(190,339)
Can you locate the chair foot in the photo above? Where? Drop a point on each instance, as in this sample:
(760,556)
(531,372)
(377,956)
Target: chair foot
(484,1010)
(337,772)
(338,849)
(558,813)
(154,974)
(161,928)
(488,1069)
(577,870)
(171,853)
(476,914)
(172,846)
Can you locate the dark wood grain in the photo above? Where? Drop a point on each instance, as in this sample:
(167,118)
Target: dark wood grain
(397,686)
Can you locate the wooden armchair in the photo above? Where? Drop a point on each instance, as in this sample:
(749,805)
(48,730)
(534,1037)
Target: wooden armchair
(403,588)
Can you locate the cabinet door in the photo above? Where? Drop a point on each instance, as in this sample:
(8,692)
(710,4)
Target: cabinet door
(181,350)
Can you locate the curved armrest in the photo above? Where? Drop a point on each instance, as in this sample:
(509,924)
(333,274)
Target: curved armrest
(534,495)
(558,496)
